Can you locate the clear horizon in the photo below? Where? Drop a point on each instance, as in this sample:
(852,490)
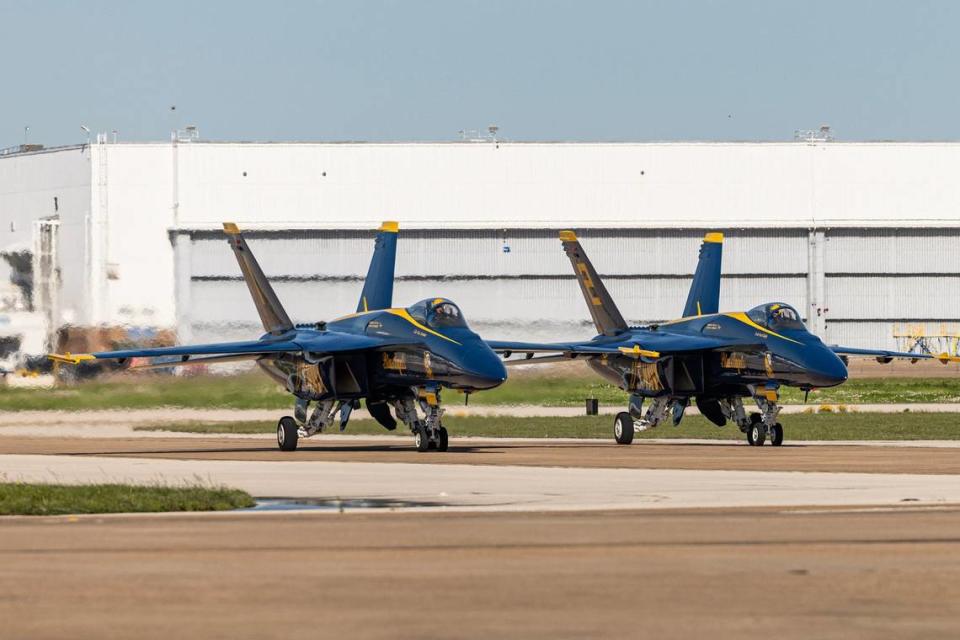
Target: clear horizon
(388,71)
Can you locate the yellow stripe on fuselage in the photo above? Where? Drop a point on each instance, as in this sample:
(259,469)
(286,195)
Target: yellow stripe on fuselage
(745,319)
(736,315)
(400,313)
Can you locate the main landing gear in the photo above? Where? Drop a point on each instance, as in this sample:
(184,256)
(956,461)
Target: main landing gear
(291,428)
(287,435)
(428,433)
(627,423)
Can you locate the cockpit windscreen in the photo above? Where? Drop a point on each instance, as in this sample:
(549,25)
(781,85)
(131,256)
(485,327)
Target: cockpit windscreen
(445,314)
(437,313)
(776,316)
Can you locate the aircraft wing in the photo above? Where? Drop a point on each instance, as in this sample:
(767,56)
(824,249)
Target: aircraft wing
(882,355)
(555,351)
(651,347)
(318,344)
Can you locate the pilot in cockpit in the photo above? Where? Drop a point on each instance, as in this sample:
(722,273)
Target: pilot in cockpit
(784,316)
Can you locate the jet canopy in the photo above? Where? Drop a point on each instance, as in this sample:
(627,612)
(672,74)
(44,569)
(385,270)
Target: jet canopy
(437,313)
(776,316)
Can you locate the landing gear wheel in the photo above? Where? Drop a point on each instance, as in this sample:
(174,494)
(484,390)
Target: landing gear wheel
(776,435)
(421,438)
(287,435)
(756,433)
(623,428)
(443,439)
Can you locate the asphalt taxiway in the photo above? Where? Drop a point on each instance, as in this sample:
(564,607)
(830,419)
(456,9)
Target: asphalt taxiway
(740,573)
(495,538)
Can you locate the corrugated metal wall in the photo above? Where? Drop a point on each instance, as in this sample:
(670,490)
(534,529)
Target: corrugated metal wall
(518,283)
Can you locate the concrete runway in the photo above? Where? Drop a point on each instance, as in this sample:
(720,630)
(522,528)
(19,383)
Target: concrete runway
(521,539)
(501,488)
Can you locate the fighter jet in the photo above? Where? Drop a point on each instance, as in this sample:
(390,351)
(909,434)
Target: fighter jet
(399,357)
(714,359)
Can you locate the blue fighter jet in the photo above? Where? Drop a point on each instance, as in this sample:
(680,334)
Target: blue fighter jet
(399,357)
(714,359)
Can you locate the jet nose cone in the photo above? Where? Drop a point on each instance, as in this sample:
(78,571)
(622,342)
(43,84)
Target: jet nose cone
(488,371)
(831,371)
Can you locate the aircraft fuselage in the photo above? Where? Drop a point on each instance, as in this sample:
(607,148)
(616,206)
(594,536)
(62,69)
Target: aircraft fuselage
(453,357)
(791,357)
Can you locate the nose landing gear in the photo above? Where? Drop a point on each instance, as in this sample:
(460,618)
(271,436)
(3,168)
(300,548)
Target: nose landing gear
(428,433)
(765,423)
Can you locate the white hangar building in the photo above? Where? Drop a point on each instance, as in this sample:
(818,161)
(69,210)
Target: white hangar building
(861,237)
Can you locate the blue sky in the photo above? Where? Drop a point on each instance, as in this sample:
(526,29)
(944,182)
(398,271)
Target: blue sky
(383,70)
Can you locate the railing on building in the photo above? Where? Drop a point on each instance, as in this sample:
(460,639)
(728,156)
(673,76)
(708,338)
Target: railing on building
(927,338)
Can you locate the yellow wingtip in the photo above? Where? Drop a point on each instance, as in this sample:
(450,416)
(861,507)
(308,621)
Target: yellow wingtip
(713,236)
(391,226)
(568,236)
(70,358)
(231,228)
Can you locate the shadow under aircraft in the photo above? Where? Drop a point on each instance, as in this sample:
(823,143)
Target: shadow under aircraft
(714,359)
(399,358)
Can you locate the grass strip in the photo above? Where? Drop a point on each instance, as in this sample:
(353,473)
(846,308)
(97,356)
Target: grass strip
(820,426)
(552,389)
(18,498)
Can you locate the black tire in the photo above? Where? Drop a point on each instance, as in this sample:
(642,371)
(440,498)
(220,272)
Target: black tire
(287,434)
(443,439)
(623,428)
(756,433)
(776,435)
(421,438)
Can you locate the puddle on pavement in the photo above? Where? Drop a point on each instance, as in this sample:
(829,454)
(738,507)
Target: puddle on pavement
(334,504)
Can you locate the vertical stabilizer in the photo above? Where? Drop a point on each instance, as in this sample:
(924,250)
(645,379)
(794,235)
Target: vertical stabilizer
(274,318)
(606,316)
(378,287)
(704,296)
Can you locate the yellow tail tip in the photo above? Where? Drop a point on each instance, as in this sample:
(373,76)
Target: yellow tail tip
(231,228)
(713,236)
(390,226)
(568,236)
